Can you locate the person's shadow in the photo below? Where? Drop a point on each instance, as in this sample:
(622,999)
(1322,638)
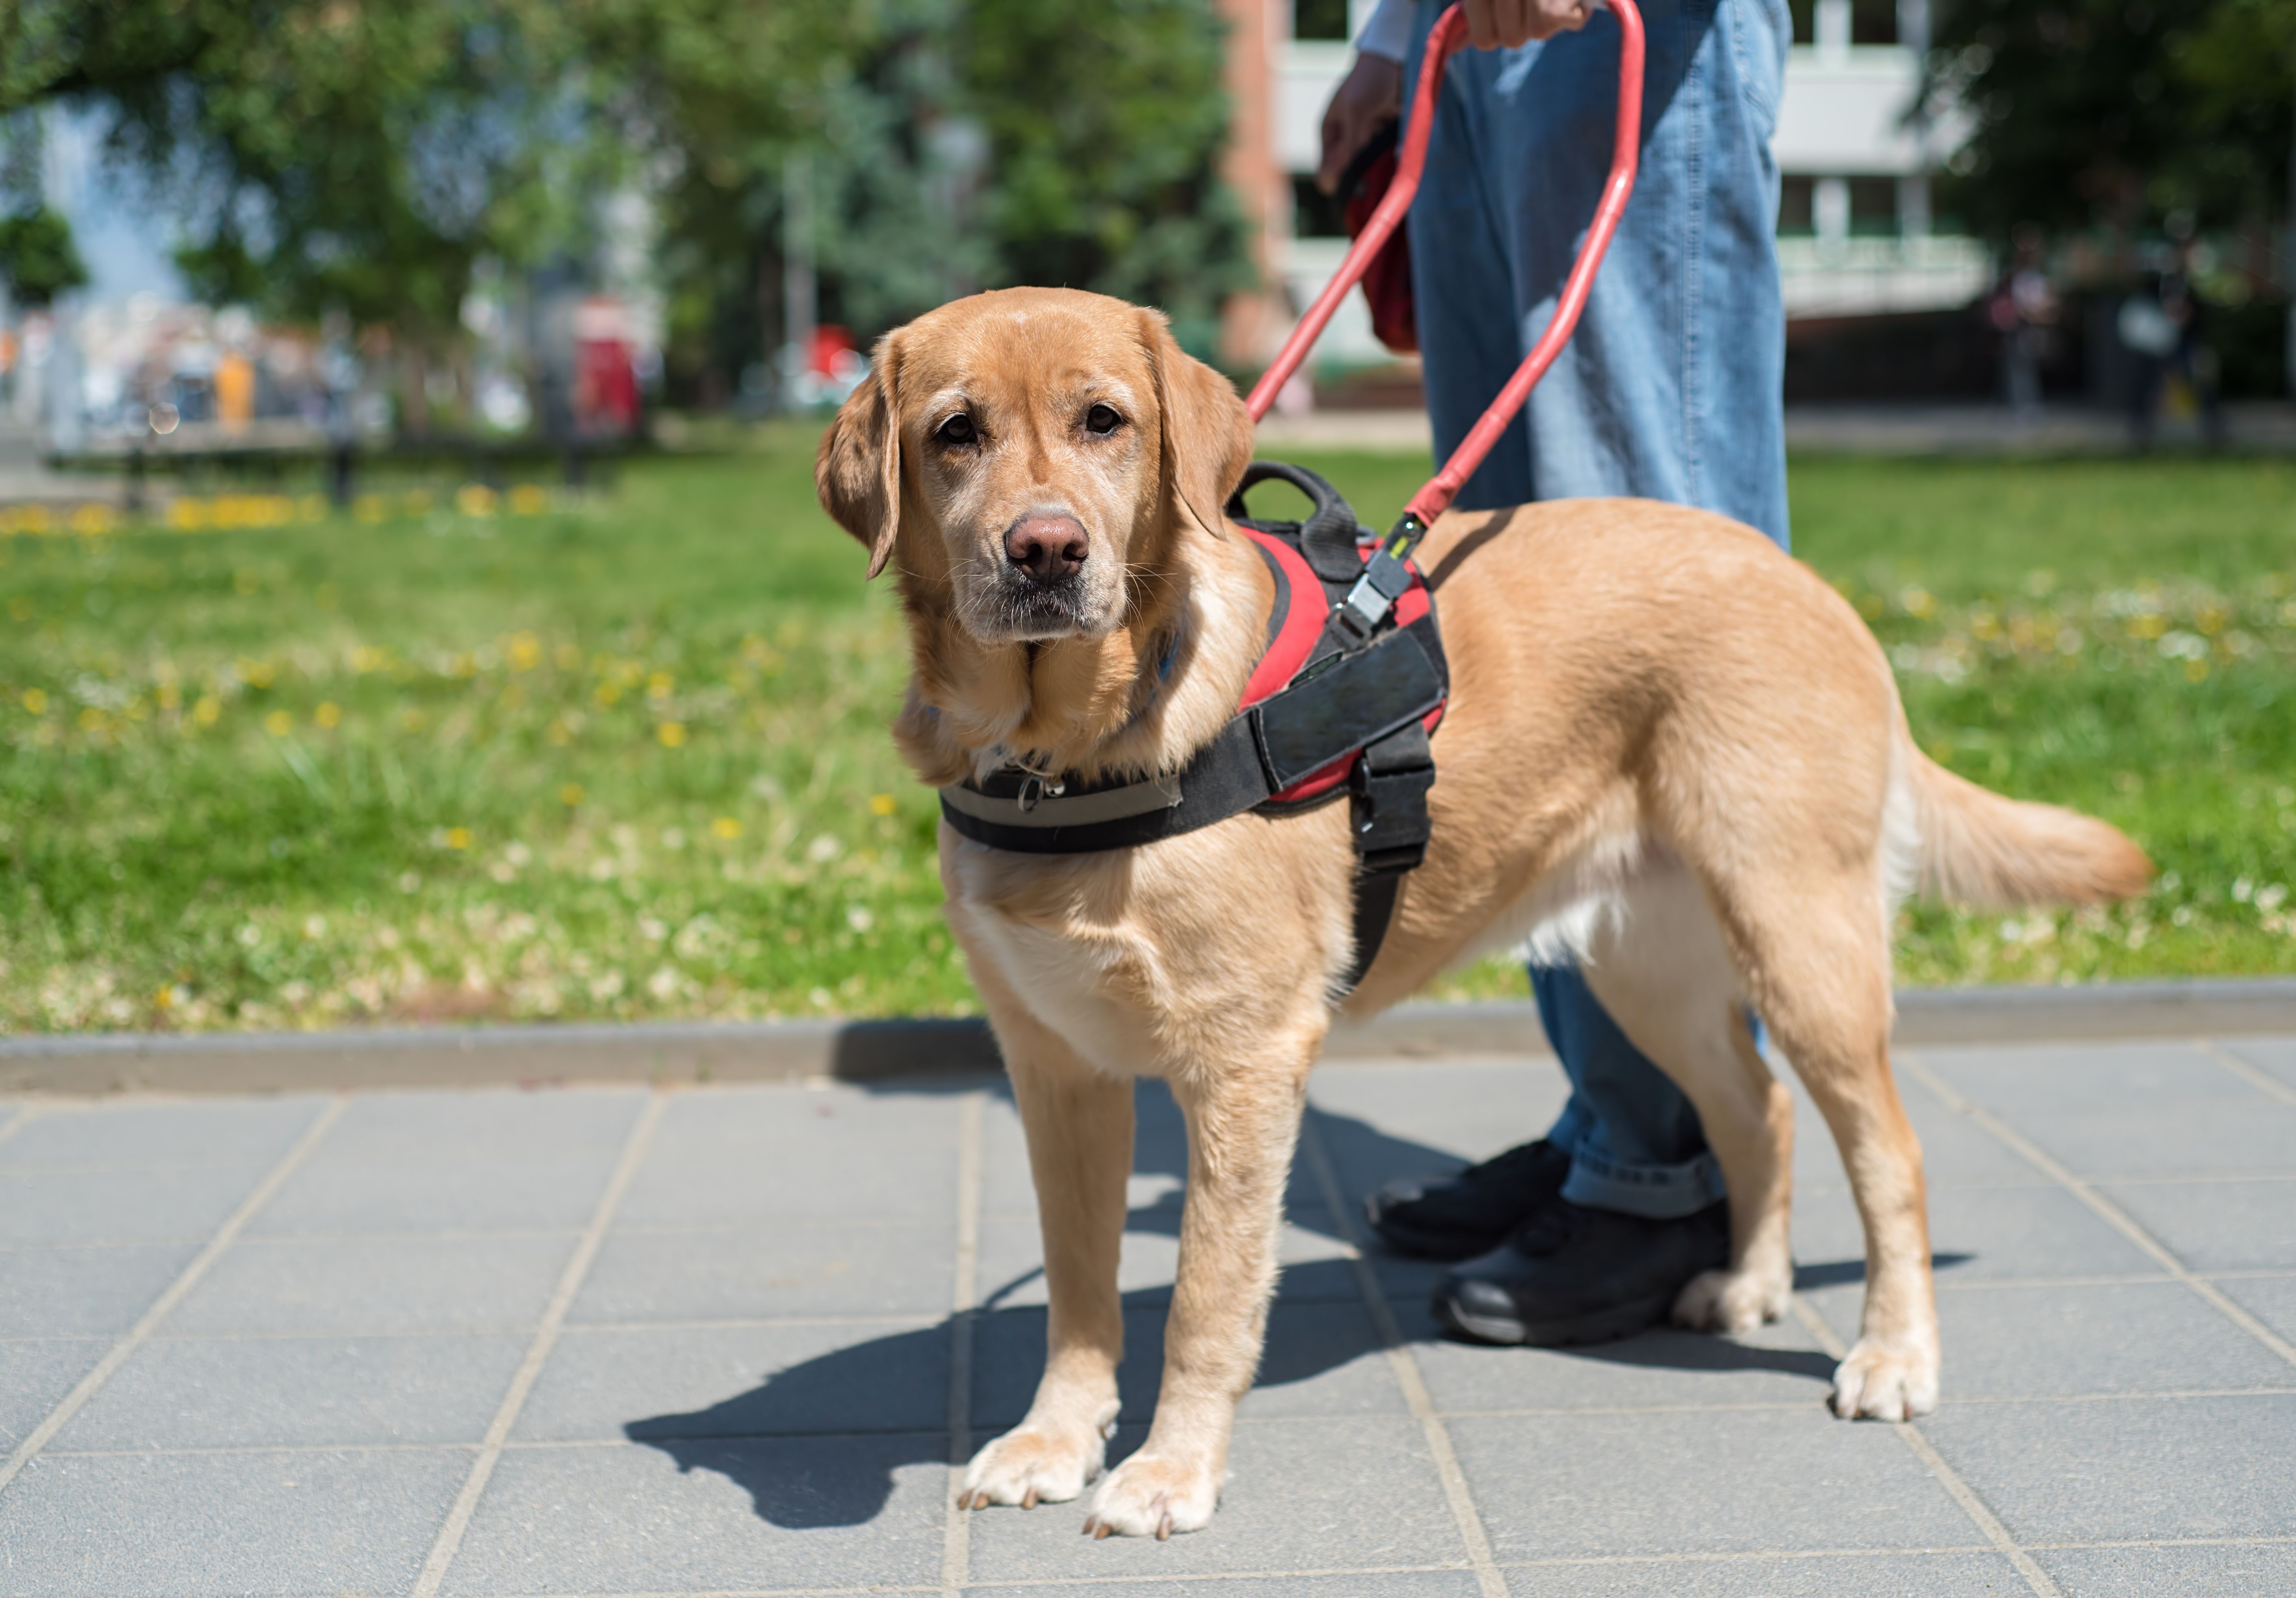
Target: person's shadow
(818,1443)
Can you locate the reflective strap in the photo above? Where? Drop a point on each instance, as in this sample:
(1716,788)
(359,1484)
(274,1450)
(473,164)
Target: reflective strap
(1067,810)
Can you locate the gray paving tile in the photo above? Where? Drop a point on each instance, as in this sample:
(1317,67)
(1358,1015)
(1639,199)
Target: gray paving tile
(760,1117)
(489,1124)
(839,1512)
(1011,1254)
(2128,1468)
(1732,1482)
(721,1381)
(2046,1341)
(1981,1234)
(2224,1571)
(834,1173)
(300,1391)
(224,1525)
(817,1268)
(1384,1583)
(1296,1499)
(55,1292)
(355,1286)
(2217,1225)
(71,1206)
(1777,1365)
(2275,1056)
(1320,1359)
(2271,1299)
(1821,1576)
(1956,1152)
(34,1378)
(329,1195)
(2108,1110)
(127,1131)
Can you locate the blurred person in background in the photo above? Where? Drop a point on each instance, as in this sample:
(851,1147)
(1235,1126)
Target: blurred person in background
(1672,388)
(2159,325)
(2023,310)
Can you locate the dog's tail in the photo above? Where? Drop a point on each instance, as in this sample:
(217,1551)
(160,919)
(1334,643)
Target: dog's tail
(1979,849)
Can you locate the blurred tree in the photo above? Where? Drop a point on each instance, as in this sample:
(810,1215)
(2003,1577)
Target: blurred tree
(1104,148)
(2105,113)
(322,154)
(38,260)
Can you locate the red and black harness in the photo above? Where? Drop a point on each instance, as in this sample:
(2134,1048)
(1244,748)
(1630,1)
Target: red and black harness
(1337,705)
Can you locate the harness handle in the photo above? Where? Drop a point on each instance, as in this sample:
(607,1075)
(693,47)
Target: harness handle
(1435,498)
(1328,536)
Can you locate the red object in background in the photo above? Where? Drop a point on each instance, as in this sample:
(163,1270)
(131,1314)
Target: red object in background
(829,341)
(1387,280)
(606,368)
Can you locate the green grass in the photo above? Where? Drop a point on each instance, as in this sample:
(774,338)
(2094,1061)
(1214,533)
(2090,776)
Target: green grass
(627,757)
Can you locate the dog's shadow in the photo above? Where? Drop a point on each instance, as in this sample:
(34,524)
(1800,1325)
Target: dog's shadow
(819,1443)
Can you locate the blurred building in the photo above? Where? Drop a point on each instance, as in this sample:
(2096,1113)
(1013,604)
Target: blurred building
(1858,235)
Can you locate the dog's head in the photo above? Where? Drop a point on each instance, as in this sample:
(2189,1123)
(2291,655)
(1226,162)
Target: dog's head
(1032,449)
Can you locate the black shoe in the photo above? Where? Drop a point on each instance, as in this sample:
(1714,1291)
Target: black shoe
(1459,1218)
(1575,1274)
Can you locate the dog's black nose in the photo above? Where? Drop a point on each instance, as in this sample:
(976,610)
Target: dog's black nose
(1047,548)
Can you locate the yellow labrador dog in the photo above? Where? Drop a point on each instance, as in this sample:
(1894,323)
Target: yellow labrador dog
(1670,750)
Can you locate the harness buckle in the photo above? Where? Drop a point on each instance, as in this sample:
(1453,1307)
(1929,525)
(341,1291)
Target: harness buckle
(1388,805)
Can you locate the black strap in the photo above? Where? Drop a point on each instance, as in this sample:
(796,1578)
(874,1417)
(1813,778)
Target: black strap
(1388,809)
(1327,538)
(1360,700)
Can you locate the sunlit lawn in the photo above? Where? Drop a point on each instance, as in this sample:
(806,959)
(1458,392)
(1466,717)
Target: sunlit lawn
(528,758)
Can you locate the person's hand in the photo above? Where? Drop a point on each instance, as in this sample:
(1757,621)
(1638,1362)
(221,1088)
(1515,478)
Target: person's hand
(1371,93)
(1503,24)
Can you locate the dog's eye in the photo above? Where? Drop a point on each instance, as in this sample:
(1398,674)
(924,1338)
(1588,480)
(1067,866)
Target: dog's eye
(1102,420)
(957,430)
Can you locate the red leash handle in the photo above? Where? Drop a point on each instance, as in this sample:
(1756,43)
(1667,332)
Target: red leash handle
(1449,34)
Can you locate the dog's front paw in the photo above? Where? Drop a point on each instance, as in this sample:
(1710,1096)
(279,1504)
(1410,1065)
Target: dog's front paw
(1153,1494)
(1732,1301)
(1883,1382)
(1027,1467)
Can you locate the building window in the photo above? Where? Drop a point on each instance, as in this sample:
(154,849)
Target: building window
(1873,208)
(1314,214)
(1797,214)
(1805,20)
(1822,21)
(1319,20)
(1873,22)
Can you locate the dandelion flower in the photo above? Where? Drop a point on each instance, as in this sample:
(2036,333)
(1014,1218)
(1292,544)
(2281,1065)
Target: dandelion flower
(171,696)
(278,724)
(475,500)
(207,711)
(569,793)
(672,734)
(727,827)
(458,837)
(660,685)
(36,701)
(528,499)
(2195,670)
(880,805)
(328,715)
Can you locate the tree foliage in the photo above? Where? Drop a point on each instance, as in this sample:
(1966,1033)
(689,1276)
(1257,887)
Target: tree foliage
(2105,113)
(38,260)
(366,154)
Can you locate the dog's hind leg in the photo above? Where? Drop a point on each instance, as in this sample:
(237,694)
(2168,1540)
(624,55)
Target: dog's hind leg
(1078,1122)
(1244,1118)
(1815,951)
(1662,970)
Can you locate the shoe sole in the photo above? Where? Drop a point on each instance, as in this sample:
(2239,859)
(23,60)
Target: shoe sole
(1601,1326)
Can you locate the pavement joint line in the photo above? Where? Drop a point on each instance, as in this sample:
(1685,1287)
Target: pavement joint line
(546,1338)
(1405,1369)
(2111,1214)
(22,1116)
(1979,1513)
(1023,1583)
(1736,1556)
(753,1323)
(173,1293)
(965,1292)
(2161,1395)
(2257,1078)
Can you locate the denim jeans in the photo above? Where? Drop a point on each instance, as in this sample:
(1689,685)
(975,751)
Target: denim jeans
(1670,389)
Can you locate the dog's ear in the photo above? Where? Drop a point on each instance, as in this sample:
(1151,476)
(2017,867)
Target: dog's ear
(858,472)
(1205,431)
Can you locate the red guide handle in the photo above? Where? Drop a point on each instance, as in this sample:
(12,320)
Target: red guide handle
(1449,34)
